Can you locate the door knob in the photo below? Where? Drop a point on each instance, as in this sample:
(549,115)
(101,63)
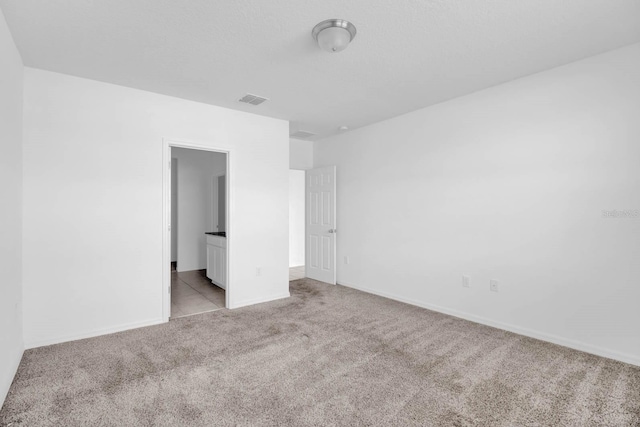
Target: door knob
(333,230)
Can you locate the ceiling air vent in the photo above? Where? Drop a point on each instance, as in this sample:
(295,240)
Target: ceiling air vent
(301,134)
(252,99)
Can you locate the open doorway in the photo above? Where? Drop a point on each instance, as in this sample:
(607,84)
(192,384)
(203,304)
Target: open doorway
(296,224)
(198,218)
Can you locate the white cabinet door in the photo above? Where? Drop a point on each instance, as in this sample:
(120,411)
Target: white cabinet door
(219,265)
(210,263)
(217,260)
(224,268)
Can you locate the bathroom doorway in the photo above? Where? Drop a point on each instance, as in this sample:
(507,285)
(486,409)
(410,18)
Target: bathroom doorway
(296,224)
(197,214)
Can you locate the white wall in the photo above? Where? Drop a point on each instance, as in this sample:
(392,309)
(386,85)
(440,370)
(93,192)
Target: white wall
(296,217)
(11,346)
(174,210)
(300,154)
(508,183)
(218,169)
(196,211)
(93,227)
(300,159)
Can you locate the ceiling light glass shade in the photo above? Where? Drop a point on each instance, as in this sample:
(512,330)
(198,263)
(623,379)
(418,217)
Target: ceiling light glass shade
(334,39)
(334,35)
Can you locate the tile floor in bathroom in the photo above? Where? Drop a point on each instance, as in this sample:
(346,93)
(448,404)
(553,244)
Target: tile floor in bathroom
(192,292)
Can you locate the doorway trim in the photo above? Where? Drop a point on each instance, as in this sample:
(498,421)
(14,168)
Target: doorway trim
(167,144)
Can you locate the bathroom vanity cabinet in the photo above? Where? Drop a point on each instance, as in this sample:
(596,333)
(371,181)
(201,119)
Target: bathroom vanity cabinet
(217,260)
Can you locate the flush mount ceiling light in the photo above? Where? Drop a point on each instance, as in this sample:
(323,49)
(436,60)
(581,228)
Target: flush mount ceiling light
(334,35)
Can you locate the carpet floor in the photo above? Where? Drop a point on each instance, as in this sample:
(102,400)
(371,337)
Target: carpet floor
(329,355)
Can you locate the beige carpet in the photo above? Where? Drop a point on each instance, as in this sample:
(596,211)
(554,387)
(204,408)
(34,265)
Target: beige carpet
(328,355)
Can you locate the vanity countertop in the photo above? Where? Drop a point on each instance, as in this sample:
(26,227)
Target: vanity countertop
(217,233)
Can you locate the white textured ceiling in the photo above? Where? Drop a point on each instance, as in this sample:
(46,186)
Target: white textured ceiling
(407,54)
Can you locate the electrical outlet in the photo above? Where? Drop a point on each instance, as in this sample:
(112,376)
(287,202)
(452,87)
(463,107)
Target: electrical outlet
(258,271)
(466,281)
(346,260)
(493,285)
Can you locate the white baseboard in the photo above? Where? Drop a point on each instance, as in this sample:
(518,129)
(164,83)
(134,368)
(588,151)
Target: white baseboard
(91,334)
(259,300)
(13,368)
(125,327)
(576,345)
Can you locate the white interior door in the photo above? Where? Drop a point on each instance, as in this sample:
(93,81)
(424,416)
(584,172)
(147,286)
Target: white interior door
(321,224)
